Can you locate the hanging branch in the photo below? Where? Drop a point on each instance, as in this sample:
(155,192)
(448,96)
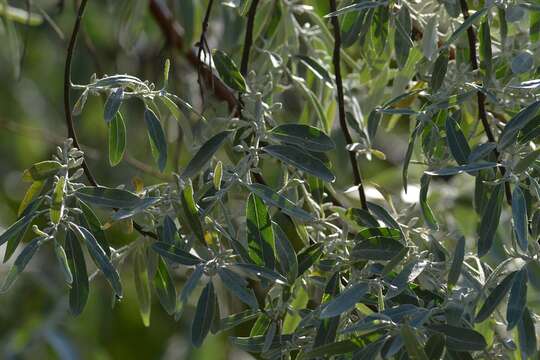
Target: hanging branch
(341,106)
(203,46)
(480,97)
(248,41)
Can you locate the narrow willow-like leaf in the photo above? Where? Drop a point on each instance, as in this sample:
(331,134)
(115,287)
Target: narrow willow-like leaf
(187,290)
(218,175)
(191,211)
(435,346)
(108,197)
(301,160)
(204,155)
(204,313)
(41,170)
(465,25)
(427,213)
(30,195)
(459,338)
(430,38)
(90,221)
(457,263)
(304,136)
(262,272)
(327,330)
(234,320)
(316,68)
(175,254)
(414,349)
(486,54)
(20,263)
(113,103)
(78,293)
(490,220)
(518,122)
(308,256)
(457,142)
(461,169)
(517,299)
(157,136)
(57,204)
(495,298)
(345,301)
(280,201)
(328,350)
(402,36)
(287,260)
(439,70)
(164,285)
(16,228)
(527,334)
(357,7)
(142,285)
(228,71)
(238,286)
(63,261)
(519,215)
(100,258)
(260,236)
(408,154)
(117,139)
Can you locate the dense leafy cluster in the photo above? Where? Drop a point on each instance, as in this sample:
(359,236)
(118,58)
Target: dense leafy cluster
(264,219)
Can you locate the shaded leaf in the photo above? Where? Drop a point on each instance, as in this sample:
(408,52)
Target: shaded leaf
(517,299)
(117,139)
(157,136)
(78,293)
(204,314)
(304,136)
(301,160)
(260,236)
(204,155)
(345,301)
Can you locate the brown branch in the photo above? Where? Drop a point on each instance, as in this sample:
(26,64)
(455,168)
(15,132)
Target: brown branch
(480,97)
(341,106)
(248,41)
(203,46)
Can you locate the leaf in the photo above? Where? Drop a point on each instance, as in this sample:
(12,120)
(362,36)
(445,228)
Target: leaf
(234,320)
(238,286)
(191,212)
(304,136)
(278,200)
(301,160)
(41,170)
(457,263)
(187,290)
(486,54)
(345,301)
(204,155)
(260,236)
(459,148)
(402,36)
(57,204)
(117,139)
(109,197)
(356,7)
(78,293)
(261,272)
(33,191)
(113,103)
(427,213)
(175,254)
(461,169)
(439,70)
(157,136)
(317,69)
(328,350)
(20,263)
(527,334)
(288,262)
(218,175)
(465,25)
(435,346)
(16,228)
(164,286)
(90,221)
(228,71)
(518,122)
(519,215)
(517,299)
(308,256)
(460,339)
(495,298)
(414,349)
(377,244)
(430,38)
(204,314)
(490,220)
(142,285)
(100,258)
(62,259)
(19,15)
(522,62)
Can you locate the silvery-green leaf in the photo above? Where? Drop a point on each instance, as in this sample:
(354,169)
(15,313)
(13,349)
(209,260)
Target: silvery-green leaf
(164,285)
(517,299)
(260,236)
(519,215)
(304,136)
(20,263)
(238,286)
(204,314)
(142,285)
(228,71)
(175,254)
(495,297)
(457,262)
(459,338)
(113,103)
(345,301)
(157,136)
(78,293)
(522,62)
(490,220)
(301,160)
(117,139)
(204,155)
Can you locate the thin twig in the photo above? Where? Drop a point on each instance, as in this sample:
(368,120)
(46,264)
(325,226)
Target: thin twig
(480,97)
(248,41)
(203,46)
(341,106)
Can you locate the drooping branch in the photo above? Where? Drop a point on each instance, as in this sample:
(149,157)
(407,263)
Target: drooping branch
(480,97)
(341,106)
(203,45)
(248,41)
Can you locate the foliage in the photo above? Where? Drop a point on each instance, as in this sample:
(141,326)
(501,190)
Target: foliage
(266,214)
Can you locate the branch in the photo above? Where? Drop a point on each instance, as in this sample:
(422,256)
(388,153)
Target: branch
(248,41)
(480,97)
(341,105)
(203,45)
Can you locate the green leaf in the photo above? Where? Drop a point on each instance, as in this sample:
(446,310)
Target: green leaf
(317,69)
(218,175)
(175,254)
(490,220)
(465,25)
(345,301)
(204,155)
(262,272)
(280,201)
(187,290)
(519,215)
(228,72)
(191,212)
(19,15)
(17,228)
(20,263)
(439,71)
(461,169)
(459,338)
(41,170)
(527,334)
(57,203)
(113,103)
(301,160)
(260,236)
(517,299)
(495,298)
(357,7)
(304,136)
(486,54)
(90,221)
(100,258)
(142,285)
(63,261)
(204,314)
(109,197)
(427,213)
(414,349)
(164,286)
(402,36)
(457,263)
(238,286)
(370,351)
(157,136)
(288,262)
(335,348)
(234,320)
(377,244)
(117,139)
(308,256)
(435,346)
(78,293)
(456,141)
(518,122)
